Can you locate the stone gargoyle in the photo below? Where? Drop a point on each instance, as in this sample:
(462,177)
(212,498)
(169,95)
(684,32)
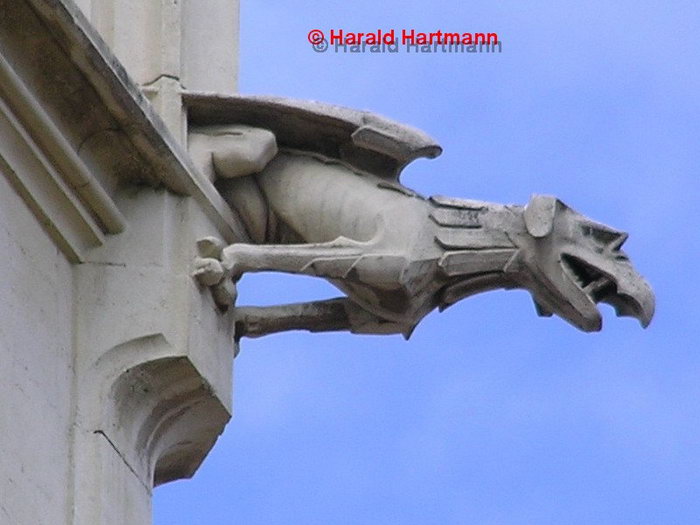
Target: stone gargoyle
(318,190)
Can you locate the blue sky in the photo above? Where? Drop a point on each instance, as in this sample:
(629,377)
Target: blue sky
(489,414)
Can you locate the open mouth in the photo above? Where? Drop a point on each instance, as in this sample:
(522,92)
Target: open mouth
(594,283)
(603,288)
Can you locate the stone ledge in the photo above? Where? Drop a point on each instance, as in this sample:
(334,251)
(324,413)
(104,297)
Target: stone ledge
(86,93)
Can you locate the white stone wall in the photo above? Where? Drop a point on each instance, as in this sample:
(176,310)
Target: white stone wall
(115,364)
(36,362)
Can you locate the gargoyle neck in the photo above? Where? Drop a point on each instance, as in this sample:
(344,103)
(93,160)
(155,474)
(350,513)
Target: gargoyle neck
(482,256)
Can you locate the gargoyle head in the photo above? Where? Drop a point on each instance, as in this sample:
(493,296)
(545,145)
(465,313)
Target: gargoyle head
(572,263)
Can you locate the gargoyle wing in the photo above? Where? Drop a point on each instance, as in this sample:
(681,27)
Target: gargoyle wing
(364,140)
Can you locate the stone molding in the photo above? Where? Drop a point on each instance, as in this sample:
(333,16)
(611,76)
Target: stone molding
(119,197)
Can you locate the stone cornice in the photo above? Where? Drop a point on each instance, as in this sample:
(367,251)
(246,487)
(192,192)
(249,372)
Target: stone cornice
(96,114)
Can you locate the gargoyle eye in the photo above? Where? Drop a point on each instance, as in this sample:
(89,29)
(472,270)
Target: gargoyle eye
(605,236)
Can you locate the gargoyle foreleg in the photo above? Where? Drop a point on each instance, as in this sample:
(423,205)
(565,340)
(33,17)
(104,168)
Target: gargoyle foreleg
(219,267)
(331,315)
(329,259)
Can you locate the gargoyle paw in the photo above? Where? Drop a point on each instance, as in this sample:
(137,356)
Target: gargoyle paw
(225,294)
(208,271)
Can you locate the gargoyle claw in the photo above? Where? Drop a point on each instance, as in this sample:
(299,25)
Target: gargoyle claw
(210,247)
(208,271)
(214,270)
(225,294)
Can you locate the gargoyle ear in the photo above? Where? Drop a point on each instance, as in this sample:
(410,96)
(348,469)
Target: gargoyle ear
(539,215)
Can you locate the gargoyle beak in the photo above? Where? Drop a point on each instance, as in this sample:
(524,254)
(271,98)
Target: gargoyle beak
(614,282)
(633,297)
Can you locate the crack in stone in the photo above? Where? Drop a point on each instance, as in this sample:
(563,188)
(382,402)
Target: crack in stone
(121,456)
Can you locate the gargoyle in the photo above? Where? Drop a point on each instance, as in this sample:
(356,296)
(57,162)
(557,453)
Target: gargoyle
(318,190)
